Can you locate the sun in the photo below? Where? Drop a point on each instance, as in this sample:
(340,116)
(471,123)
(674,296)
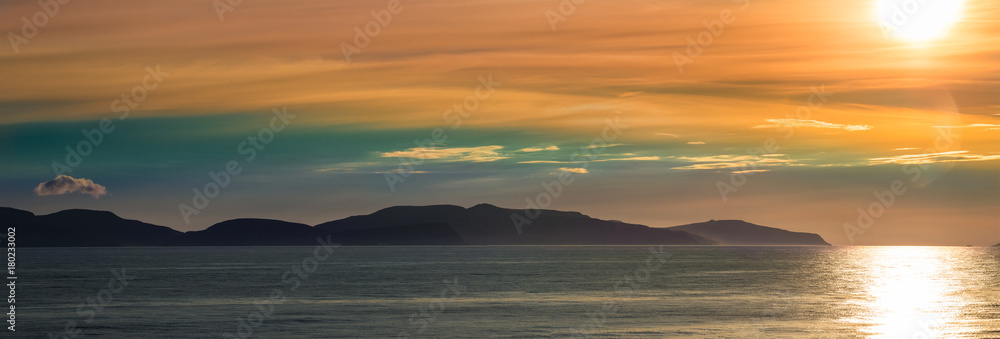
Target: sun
(918,20)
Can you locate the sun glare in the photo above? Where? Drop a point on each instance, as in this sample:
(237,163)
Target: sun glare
(918,20)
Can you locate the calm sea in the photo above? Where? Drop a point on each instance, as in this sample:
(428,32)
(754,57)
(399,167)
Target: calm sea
(509,292)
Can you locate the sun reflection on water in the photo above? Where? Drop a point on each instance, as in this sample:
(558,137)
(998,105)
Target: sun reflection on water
(912,292)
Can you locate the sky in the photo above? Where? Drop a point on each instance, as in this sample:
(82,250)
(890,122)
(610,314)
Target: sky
(865,123)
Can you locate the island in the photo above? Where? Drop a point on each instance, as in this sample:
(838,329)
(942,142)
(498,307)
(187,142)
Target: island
(482,224)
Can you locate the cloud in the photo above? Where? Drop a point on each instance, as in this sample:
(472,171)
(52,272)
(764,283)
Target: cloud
(66,184)
(546,162)
(751,171)
(969,126)
(988,126)
(811,123)
(599,146)
(696,142)
(733,161)
(475,154)
(403,171)
(347,167)
(629,94)
(650,158)
(667,134)
(574,170)
(538,149)
(631,159)
(929,158)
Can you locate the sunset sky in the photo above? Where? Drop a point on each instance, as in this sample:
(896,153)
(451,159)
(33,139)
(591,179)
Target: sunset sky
(920,105)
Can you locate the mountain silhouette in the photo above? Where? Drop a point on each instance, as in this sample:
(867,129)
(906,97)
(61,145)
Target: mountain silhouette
(251,232)
(739,232)
(82,228)
(482,224)
(485,224)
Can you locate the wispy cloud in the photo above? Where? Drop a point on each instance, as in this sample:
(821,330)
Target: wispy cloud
(775,123)
(732,161)
(668,134)
(346,167)
(696,142)
(64,184)
(928,158)
(751,171)
(651,158)
(546,162)
(608,145)
(647,158)
(987,126)
(474,154)
(538,149)
(400,170)
(629,94)
(574,170)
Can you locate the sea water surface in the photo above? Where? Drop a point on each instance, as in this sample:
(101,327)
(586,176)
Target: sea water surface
(510,292)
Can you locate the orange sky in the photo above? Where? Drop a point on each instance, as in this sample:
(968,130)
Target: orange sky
(889,97)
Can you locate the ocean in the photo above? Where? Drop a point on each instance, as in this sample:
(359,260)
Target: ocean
(508,292)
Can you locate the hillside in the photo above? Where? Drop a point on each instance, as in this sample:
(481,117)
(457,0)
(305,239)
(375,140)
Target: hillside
(82,228)
(739,232)
(481,224)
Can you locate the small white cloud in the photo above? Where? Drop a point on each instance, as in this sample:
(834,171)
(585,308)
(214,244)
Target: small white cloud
(474,154)
(538,149)
(751,171)
(650,158)
(544,162)
(632,159)
(811,123)
(929,158)
(66,184)
(733,161)
(599,146)
(696,142)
